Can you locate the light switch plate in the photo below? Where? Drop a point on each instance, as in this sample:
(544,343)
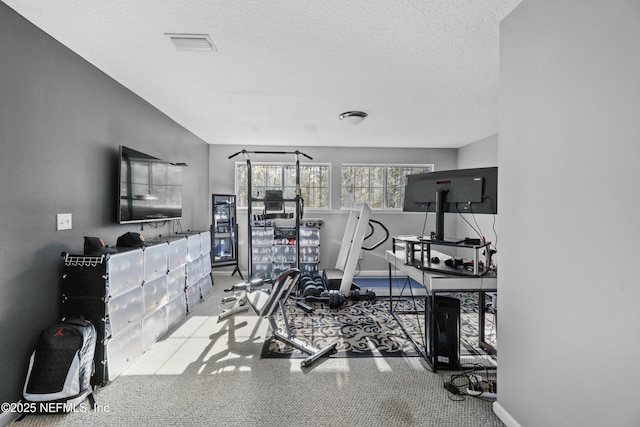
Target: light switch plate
(63,221)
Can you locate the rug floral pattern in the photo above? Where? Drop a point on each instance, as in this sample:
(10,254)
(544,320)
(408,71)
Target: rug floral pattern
(368,329)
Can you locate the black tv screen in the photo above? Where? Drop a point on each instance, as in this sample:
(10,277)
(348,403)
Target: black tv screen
(150,189)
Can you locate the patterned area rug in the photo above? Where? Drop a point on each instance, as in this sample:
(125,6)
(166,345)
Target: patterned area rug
(368,329)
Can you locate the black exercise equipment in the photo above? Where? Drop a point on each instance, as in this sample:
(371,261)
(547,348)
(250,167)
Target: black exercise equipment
(306,307)
(334,298)
(358,295)
(310,286)
(273,199)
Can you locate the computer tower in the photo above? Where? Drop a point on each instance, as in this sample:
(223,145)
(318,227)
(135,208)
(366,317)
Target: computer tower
(443,331)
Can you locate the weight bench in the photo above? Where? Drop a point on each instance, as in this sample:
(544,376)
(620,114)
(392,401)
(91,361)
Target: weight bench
(267,304)
(240,297)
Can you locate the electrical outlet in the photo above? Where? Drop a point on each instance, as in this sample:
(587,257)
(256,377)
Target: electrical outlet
(63,221)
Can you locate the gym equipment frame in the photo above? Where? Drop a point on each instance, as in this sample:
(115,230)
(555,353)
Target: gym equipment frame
(297,199)
(268,304)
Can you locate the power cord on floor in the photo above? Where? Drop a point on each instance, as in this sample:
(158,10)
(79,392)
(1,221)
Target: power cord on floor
(476,381)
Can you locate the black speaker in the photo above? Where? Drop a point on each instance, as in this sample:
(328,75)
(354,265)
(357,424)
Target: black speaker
(443,331)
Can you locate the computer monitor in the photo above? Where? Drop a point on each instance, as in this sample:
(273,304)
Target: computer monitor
(452,191)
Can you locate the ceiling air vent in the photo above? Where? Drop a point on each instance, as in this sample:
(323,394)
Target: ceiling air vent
(192,42)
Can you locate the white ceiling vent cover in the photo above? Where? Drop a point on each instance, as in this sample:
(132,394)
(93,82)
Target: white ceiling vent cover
(192,42)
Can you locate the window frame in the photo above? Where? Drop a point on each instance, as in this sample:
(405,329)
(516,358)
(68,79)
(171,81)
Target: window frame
(385,167)
(283,166)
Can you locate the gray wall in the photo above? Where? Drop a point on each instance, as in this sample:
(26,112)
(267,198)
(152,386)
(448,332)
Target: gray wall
(61,122)
(222,181)
(568,156)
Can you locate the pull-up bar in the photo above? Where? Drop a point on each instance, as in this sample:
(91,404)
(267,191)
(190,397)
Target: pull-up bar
(245,152)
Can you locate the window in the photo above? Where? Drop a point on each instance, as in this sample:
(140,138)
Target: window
(379,186)
(314,182)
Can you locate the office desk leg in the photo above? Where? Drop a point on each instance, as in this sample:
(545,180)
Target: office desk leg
(481,326)
(390,289)
(430,340)
(420,348)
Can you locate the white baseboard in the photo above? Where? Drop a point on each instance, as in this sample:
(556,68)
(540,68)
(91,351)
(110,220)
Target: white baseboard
(372,273)
(504,416)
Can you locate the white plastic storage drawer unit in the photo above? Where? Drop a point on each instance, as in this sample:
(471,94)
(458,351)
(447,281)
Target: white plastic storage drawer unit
(176,310)
(123,350)
(193,296)
(131,297)
(205,243)
(154,326)
(176,282)
(177,252)
(194,272)
(155,293)
(156,261)
(206,287)
(125,271)
(194,249)
(125,310)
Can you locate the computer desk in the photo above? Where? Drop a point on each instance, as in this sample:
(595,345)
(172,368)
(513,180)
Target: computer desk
(436,282)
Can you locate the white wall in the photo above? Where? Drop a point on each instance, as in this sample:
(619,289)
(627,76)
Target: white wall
(569,209)
(480,154)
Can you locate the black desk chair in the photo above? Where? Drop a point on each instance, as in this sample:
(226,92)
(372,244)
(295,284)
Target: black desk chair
(267,304)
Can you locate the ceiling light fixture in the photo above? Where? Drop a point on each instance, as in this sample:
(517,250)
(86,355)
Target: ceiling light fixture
(353,117)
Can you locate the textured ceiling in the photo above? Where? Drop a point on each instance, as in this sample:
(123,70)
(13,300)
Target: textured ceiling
(426,71)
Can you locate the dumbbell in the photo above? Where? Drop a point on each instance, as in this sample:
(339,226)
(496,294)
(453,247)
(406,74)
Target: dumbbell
(358,295)
(334,298)
(311,287)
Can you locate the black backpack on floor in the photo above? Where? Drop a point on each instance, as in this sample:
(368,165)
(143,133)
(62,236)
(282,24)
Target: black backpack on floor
(61,367)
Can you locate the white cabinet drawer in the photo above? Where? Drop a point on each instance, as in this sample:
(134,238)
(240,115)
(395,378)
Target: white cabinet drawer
(156,261)
(205,265)
(194,272)
(154,293)
(125,310)
(193,296)
(154,325)
(124,350)
(177,253)
(205,242)
(125,271)
(206,287)
(193,247)
(175,282)
(176,310)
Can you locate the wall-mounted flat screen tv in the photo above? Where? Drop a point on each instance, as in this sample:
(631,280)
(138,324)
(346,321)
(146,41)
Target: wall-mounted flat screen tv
(150,189)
